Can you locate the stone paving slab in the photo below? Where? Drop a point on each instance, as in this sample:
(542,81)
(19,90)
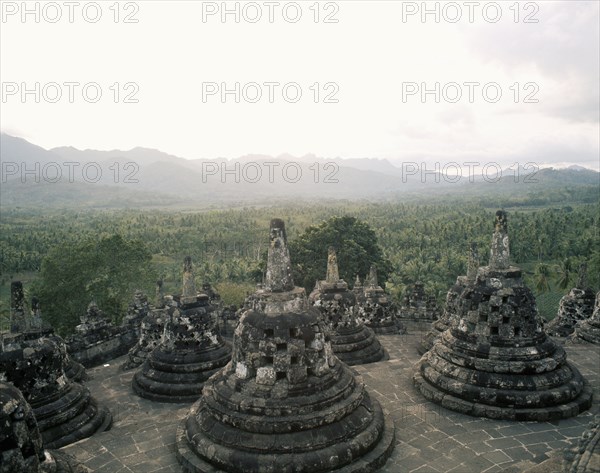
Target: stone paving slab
(429,438)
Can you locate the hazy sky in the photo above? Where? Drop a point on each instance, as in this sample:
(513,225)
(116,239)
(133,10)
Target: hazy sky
(376,59)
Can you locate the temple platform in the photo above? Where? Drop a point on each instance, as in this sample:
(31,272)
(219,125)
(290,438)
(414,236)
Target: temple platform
(429,438)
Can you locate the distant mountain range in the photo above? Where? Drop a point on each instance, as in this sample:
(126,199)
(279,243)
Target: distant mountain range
(141,177)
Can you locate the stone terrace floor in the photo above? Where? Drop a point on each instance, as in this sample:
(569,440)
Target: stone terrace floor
(429,438)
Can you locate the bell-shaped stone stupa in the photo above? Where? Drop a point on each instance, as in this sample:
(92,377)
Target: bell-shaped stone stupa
(576,306)
(35,326)
(151,331)
(285,403)
(449,315)
(376,309)
(589,329)
(65,411)
(497,361)
(21,445)
(190,351)
(352,342)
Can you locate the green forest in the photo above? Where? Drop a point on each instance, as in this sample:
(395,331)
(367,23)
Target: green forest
(70,257)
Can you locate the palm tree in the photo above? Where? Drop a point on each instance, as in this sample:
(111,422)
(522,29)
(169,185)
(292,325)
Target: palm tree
(564,273)
(542,277)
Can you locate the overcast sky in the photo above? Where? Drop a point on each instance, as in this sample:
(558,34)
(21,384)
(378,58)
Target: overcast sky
(375,60)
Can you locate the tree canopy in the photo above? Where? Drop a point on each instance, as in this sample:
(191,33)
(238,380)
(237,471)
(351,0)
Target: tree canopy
(106,271)
(355,244)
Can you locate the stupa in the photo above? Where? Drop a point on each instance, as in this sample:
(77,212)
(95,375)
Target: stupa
(213,296)
(497,361)
(285,403)
(589,329)
(228,320)
(585,458)
(21,446)
(357,289)
(34,326)
(138,308)
(418,306)
(151,331)
(18,319)
(64,410)
(73,371)
(448,316)
(352,342)
(190,351)
(97,340)
(576,306)
(375,309)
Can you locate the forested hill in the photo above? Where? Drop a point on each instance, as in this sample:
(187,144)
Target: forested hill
(141,178)
(421,242)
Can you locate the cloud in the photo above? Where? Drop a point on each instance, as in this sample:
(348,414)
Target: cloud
(563,47)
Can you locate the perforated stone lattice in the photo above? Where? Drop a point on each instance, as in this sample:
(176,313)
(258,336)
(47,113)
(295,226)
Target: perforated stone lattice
(448,317)
(284,403)
(21,447)
(289,353)
(97,340)
(589,330)
(351,341)
(375,309)
(189,351)
(506,313)
(497,361)
(65,410)
(417,305)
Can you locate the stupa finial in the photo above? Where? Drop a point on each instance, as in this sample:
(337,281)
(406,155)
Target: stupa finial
(333,274)
(372,278)
(160,296)
(17,307)
(279,268)
(500,252)
(582,276)
(473,263)
(189,286)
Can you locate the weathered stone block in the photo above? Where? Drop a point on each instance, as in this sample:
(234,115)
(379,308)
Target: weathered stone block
(242,371)
(281,361)
(265,375)
(297,374)
(504,366)
(277,421)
